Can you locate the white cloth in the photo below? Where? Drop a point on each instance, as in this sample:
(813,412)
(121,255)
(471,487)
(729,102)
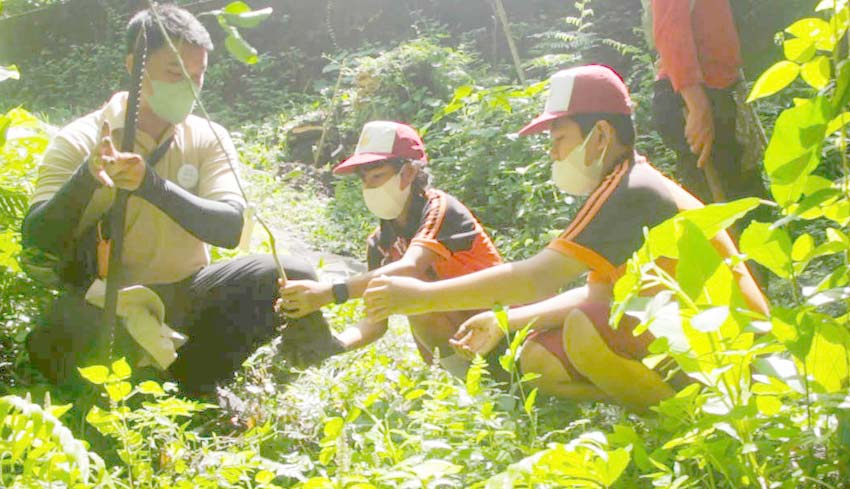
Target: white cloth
(144,316)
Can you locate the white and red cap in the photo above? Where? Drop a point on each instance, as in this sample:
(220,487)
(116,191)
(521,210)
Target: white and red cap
(582,90)
(384,140)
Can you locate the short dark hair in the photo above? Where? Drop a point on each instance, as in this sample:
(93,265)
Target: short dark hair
(179,23)
(622,123)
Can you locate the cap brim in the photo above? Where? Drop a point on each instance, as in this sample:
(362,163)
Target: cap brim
(360,159)
(541,123)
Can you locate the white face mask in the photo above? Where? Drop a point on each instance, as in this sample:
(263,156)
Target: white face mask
(574,177)
(387,201)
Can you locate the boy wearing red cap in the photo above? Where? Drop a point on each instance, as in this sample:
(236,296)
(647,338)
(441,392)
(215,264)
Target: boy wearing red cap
(578,355)
(423,233)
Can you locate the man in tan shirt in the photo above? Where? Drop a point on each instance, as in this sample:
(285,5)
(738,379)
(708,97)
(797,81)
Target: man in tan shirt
(184,197)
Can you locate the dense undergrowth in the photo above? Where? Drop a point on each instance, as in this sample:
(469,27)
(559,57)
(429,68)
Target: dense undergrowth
(769,405)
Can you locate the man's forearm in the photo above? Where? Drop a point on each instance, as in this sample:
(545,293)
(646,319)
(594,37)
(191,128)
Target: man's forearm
(50,225)
(213,222)
(362,334)
(401,268)
(511,283)
(549,313)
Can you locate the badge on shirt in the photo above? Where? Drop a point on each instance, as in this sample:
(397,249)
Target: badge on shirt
(187,176)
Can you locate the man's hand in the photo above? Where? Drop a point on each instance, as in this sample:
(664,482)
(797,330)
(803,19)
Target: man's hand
(395,295)
(301,297)
(699,122)
(114,168)
(303,348)
(479,335)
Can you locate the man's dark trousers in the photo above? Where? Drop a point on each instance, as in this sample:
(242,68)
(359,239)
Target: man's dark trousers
(226,309)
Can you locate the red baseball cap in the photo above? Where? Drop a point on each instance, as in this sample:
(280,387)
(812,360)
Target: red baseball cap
(582,90)
(384,140)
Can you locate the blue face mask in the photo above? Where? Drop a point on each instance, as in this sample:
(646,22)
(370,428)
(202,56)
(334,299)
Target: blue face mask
(172,102)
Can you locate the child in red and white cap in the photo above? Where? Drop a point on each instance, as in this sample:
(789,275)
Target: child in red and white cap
(576,352)
(423,233)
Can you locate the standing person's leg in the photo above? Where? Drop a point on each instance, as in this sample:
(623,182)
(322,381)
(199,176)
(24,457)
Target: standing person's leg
(669,120)
(728,155)
(230,314)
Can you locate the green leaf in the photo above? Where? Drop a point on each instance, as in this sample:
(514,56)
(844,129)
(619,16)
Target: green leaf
(96,374)
(839,122)
(9,73)
(799,50)
(240,49)
(817,30)
(529,401)
(774,79)
(802,247)
(615,465)
(769,247)
(5,124)
(700,268)
(817,72)
(827,359)
(264,477)
(794,148)
(151,387)
(118,391)
(333,428)
(247,19)
(121,369)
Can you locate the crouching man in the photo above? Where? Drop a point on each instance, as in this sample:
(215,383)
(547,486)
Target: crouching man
(184,197)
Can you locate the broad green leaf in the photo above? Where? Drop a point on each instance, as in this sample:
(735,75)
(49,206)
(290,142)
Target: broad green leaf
(768,405)
(529,376)
(96,374)
(9,73)
(799,50)
(249,19)
(815,29)
(769,247)
(529,401)
(802,247)
(841,96)
(828,358)
(794,148)
(415,394)
(264,477)
(240,49)
(839,122)
(121,369)
(151,387)
(118,391)
(817,72)
(774,79)
(614,464)
(333,428)
(839,212)
(700,268)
